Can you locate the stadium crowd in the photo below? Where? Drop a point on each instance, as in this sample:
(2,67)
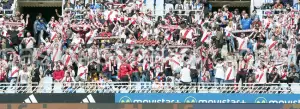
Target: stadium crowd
(123,41)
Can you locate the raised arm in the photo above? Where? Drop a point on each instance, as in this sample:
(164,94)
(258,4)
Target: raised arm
(26,21)
(57,13)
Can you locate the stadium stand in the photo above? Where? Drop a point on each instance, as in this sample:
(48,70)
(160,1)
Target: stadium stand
(122,47)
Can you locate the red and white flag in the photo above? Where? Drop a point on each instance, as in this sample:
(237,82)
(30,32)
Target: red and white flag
(169,36)
(139,4)
(89,37)
(272,45)
(82,70)
(110,15)
(53,35)
(291,48)
(56,55)
(14,71)
(206,37)
(268,24)
(187,33)
(67,60)
(229,74)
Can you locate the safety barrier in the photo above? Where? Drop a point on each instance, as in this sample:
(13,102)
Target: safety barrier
(7,12)
(149,87)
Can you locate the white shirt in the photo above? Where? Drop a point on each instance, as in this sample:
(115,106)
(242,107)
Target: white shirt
(185,75)
(56,54)
(192,62)
(72,73)
(261,76)
(24,77)
(220,71)
(242,43)
(81,71)
(29,41)
(129,41)
(230,73)
(14,72)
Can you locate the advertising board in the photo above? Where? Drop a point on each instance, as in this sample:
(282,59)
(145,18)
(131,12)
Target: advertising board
(207,98)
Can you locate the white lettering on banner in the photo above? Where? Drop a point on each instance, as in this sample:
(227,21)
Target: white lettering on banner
(221,101)
(189,99)
(264,100)
(178,101)
(284,101)
(156,101)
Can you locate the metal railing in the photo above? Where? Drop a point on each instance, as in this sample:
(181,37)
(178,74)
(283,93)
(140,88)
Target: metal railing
(227,0)
(39,0)
(150,87)
(7,12)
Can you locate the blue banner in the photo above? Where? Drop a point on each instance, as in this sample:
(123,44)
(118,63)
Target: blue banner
(206,98)
(240,106)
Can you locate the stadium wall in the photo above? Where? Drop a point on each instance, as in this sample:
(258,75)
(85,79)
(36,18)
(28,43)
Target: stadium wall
(57,98)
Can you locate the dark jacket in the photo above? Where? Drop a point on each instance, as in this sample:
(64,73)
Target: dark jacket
(297,48)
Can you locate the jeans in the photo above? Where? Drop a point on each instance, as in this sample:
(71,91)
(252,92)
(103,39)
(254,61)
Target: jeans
(219,81)
(267,34)
(135,76)
(212,75)
(195,79)
(283,31)
(292,58)
(229,81)
(231,42)
(241,77)
(108,75)
(243,52)
(12,81)
(27,55)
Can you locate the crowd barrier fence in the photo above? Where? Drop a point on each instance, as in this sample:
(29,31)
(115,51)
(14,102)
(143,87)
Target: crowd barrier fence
(7,12)
(149,92)
(149,87)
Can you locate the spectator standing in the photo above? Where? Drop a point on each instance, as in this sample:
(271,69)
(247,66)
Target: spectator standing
(28,42)
(185,74)
(273,76)
(35,27)
(220,73)
(2,74)
(68,4)
(24,76)
(246,22)
(58,74)
(241,76)
(230,72)
(35,75)
(254,15)
(125,71)
(68,79)
(82,73)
